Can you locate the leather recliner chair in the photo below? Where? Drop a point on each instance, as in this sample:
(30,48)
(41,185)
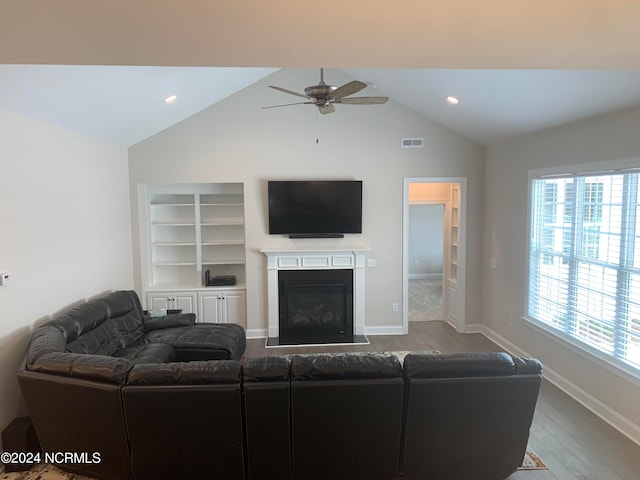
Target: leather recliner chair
(81,415)
(267,406)
(467,416)
(184,420)
(346,416)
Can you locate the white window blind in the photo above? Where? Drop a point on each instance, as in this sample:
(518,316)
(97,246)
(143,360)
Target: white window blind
(584,265)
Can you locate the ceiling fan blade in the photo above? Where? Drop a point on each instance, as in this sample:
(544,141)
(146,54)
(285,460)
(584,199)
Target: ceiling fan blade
(324,109)
(363,100)
(290,92)
(348,89)
(289,104)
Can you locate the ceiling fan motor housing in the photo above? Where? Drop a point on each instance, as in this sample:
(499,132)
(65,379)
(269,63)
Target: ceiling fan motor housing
(321,93)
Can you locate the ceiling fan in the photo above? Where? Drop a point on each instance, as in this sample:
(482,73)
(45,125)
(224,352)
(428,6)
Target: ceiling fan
(326,96)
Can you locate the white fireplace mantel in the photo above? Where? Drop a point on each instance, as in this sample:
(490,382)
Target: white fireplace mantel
(315,259)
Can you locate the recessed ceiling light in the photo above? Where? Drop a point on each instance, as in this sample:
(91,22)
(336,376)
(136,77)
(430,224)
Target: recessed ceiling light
(452,100)
(171,99)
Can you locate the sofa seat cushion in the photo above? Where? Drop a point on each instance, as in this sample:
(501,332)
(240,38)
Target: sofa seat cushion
(149,353)
(224,341)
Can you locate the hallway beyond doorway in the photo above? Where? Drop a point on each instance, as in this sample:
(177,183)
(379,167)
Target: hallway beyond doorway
(425,299)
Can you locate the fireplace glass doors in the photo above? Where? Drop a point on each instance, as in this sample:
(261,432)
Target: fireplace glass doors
(315,306)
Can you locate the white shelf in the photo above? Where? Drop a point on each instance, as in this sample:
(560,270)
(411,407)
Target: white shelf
(226,242)
(223,262)
(174,244)
(173,224)
(168,264)
(191,228)
(222,222)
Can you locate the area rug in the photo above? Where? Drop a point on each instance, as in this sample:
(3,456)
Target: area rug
(42,471)
(49,472)
(532,462)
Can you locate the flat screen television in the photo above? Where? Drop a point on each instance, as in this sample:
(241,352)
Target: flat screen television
(315,209)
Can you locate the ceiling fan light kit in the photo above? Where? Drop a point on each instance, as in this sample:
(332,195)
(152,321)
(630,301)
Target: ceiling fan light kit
(324,96)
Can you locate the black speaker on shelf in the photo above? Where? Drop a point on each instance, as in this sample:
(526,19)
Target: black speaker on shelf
(219,280)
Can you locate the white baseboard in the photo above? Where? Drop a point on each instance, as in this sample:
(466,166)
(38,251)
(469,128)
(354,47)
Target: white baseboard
(606,413)
(257,333)
(381,330)
(384,330)
(424,276)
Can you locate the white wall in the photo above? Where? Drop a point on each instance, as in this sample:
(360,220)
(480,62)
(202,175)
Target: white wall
(64,233)
(236,141)
(426,240)
(607,138)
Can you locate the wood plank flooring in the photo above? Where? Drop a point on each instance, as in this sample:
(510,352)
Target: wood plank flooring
(573,442)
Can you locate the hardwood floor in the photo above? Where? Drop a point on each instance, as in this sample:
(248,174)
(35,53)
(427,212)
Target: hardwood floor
(572,441)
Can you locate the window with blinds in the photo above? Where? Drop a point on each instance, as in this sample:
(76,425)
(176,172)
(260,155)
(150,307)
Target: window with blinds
(584,265)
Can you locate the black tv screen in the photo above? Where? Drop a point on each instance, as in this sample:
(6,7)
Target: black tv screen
(315,208)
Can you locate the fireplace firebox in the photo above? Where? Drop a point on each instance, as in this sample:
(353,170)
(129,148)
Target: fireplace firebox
(315,306)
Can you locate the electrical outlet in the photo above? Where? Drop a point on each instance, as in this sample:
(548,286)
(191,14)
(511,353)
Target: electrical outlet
(395,307)
(371,262)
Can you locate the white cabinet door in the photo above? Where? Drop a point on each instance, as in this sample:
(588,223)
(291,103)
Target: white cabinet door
(235,307)
(222,306)
(210,308)
(158,300)
(185,301)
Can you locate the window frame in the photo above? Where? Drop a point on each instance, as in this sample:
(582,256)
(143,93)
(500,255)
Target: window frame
(575,344)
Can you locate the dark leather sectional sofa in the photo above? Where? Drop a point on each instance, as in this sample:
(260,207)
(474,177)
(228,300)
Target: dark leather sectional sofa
(365,416)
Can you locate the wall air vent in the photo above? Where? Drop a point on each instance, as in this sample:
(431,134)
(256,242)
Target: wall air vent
(412,143)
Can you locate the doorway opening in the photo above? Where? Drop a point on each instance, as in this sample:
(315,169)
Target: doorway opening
(426,259)
(434,224)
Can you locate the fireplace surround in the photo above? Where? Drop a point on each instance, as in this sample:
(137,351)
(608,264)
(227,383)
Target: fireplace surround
(297,269)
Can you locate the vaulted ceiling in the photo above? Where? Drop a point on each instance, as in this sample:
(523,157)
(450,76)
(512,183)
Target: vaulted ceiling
(516,66)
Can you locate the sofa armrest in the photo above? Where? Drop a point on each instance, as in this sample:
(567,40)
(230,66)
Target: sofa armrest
(89,367)
(527,366)
(186,373)
(169,321)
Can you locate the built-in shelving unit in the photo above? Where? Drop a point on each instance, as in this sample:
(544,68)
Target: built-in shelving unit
(454,233)
(186,230)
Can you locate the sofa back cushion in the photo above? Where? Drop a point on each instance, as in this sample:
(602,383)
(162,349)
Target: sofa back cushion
(336,366)
(458,365)
(124,312)
(85,329)
(97,327)
(45,339)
